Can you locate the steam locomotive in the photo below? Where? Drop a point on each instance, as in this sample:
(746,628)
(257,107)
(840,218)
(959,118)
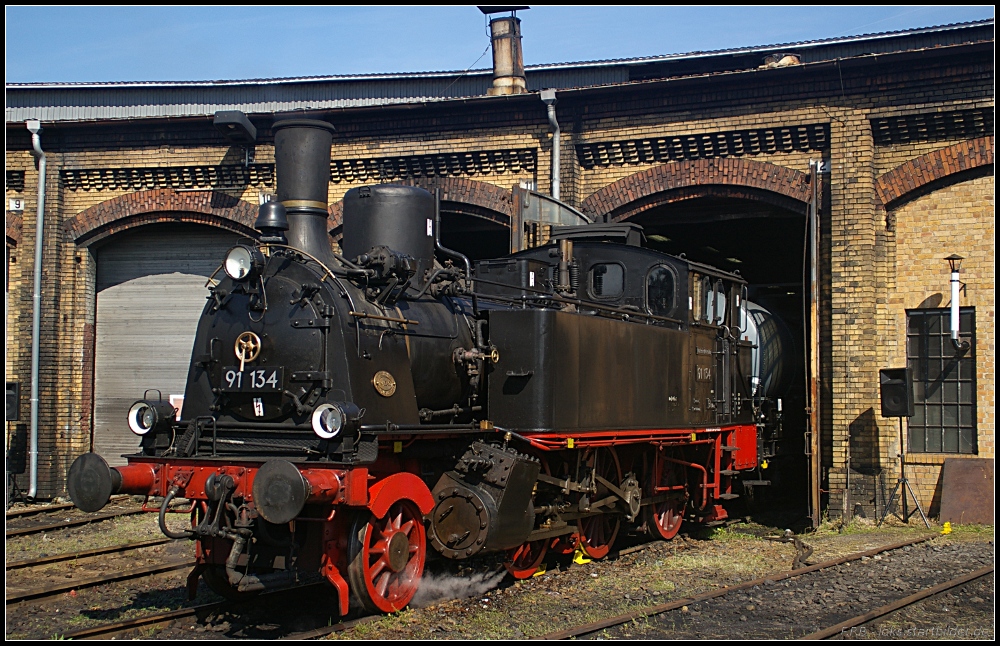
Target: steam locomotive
(347,416)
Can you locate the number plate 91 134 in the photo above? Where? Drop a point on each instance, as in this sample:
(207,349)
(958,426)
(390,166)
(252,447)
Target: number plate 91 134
(252,380)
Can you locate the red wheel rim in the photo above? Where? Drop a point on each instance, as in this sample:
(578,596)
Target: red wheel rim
(666,519)
(523,561)
(598,533)
(388,558)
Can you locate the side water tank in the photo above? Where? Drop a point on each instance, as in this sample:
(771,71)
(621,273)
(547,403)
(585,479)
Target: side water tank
(772,359)
(398,217)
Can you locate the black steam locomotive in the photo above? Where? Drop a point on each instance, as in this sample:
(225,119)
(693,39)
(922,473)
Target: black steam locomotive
(345,414)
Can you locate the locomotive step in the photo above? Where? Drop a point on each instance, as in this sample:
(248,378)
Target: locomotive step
(730,448)
(728,472)
(728,496)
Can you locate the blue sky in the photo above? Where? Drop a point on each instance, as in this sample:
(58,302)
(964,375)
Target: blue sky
(80,44)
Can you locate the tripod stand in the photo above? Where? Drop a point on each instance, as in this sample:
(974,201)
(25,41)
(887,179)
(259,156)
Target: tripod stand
(902,486)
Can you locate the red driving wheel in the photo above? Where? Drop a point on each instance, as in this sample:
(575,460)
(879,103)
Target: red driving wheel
(663,519)
(523,561)
(598,533)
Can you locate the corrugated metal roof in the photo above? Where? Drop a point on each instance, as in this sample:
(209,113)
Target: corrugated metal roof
(131,100)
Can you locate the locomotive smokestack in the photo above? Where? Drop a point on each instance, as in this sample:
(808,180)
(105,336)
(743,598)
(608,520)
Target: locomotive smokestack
(302,165)
(508,61)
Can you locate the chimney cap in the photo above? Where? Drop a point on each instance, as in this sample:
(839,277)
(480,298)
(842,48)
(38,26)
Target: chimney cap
(488,10)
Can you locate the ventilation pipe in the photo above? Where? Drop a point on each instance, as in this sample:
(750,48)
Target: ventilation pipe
(549,99)
(508,60)
(35,128)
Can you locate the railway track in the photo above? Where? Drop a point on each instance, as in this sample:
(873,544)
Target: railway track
(105,631)
(72,556)
(46,509)
(67,524)
(24,594)
(114,629)
(717,597)
(842,627)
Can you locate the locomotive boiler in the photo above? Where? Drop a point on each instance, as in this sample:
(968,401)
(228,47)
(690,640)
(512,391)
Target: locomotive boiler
(348,415)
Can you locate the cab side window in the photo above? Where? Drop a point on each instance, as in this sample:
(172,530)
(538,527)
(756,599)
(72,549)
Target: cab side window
(607,280)
(660,291)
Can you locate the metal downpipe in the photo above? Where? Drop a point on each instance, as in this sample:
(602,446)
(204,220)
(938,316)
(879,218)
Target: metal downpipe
(549,98)
(35,127)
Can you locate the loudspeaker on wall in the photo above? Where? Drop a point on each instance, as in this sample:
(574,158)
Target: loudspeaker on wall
(896,391)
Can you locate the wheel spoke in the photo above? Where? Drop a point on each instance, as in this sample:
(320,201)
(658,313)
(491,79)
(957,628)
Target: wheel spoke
(382,583)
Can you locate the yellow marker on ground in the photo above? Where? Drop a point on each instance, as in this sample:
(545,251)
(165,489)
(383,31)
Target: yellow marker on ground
(946,529)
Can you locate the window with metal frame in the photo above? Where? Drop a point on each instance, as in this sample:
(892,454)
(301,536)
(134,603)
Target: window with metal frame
(607,280)
(944,382)
(660,291)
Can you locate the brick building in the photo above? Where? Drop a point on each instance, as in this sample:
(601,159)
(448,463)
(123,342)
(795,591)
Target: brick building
(710,152)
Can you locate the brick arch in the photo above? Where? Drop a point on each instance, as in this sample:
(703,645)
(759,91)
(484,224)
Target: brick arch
(459,195)
(729,177)
(214,208)
(14,224)
(917,175)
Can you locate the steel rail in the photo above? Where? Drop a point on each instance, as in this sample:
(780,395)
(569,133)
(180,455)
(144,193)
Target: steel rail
(98,551)
(72,523)
(899,604)
(674,605)
(47,591)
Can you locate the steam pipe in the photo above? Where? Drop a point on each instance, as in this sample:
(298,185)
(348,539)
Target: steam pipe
(549,98)
(437,236)
(956,285)
(35,127)
(449,252)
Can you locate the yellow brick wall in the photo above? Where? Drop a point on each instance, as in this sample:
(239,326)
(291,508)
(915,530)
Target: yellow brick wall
(959,218)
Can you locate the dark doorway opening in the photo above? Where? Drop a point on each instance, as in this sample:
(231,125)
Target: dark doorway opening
(475,236)
(765,243)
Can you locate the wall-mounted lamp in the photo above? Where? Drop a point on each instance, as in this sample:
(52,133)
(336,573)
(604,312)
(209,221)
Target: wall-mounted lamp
(237,129)
(955,263)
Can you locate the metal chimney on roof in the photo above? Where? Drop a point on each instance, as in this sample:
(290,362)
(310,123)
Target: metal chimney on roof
(508,60)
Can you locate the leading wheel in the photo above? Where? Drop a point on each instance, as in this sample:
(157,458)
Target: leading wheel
(663,519)
(598,533)
(387,557)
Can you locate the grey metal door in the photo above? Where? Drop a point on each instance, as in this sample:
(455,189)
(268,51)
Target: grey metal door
(150,293)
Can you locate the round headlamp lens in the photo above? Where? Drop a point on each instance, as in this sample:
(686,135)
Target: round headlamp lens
(239,263)
(141,418)
(327,420)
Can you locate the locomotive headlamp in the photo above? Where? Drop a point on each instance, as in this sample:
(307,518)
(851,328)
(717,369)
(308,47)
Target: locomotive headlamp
(327,420)
(145,415)
(242,261)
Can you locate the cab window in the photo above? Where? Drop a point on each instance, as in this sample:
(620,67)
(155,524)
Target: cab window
(660,291)
(607,280)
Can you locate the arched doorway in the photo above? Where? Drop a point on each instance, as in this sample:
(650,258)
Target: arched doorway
(746,217)
(474,232)
(150,292)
